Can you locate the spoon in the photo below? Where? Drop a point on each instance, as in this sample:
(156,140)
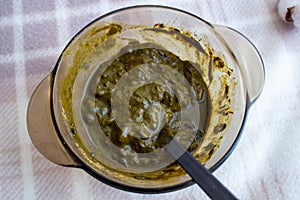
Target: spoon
(209,184)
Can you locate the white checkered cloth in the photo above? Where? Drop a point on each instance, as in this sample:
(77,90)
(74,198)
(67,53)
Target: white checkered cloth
(265,164)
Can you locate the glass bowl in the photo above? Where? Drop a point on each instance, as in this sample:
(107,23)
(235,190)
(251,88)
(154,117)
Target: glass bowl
(229,64)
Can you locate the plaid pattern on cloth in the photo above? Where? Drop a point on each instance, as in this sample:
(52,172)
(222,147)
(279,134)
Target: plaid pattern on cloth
(33,33)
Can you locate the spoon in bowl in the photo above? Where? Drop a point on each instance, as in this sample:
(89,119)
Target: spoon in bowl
(209,184)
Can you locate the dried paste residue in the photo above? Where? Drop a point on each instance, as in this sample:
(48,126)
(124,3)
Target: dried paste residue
(219,106)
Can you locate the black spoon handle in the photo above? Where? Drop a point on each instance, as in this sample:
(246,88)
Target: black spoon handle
(209,184)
